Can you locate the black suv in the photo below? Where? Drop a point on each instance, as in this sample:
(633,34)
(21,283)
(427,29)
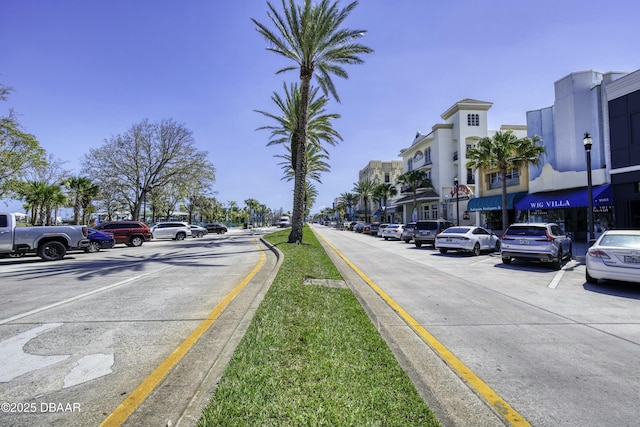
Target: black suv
(132,233)
(425,231)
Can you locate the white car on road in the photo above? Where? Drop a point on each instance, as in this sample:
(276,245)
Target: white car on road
(468,239)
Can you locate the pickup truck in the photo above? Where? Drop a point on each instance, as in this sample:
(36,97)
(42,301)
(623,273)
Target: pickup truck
(50,243)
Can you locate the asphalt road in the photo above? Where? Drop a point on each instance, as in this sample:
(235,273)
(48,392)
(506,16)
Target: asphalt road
(80,336)
(559,351)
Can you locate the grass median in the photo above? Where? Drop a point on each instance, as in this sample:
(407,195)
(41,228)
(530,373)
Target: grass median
(311,356)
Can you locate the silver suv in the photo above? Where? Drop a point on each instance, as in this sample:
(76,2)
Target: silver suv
(171,230)
(544,242)
(426,230)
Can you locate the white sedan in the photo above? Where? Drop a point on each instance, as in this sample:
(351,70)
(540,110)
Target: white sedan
(393,231)
(614,256)
(467,238)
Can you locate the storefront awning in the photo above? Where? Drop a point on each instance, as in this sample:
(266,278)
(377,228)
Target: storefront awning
(378,212)
(576,198)
(493,203)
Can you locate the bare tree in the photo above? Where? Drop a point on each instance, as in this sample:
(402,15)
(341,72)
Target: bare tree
(146,157)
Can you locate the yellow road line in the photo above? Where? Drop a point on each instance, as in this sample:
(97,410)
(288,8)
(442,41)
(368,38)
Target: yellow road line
(131,403)
(481,388)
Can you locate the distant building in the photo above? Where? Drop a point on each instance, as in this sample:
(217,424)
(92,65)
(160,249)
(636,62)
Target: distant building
(379,172)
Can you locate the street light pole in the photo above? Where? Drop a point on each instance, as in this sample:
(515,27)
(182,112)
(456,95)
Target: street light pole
(455,182)
(588,142)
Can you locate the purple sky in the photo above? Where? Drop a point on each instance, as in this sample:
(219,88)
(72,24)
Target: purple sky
(84,70)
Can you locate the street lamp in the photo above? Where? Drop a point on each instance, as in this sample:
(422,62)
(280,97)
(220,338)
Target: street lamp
(588,142)
(455,182)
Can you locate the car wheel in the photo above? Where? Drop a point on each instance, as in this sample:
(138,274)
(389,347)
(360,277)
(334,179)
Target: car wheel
(443,251)
(590,279)
(93,247)
(497,246)
(52,251)
(418,245)
(180,236)
(557,262)
(407,240)
(136,241)
(506,260)
(476,249)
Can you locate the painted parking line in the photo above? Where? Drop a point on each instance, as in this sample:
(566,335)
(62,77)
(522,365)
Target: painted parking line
(556,279)
(131,403)
(509,414)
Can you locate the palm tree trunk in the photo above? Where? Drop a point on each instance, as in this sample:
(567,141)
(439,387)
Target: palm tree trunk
(301,167)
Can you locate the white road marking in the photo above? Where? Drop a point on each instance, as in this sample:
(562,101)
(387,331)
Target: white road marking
(77,297)
(556,279)
(15,362)
(89,367)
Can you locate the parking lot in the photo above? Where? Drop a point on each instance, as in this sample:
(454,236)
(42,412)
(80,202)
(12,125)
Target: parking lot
(560,351)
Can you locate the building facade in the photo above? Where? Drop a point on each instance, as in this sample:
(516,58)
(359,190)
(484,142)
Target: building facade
(380,172)
(623,102)
(558,185)
(441,154)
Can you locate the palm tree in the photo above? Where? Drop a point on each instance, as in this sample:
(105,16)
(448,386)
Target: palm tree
(81,191)
(349,200)
(311,37)
(315,163)
(364,190)
(504,151)
(415,179)
(42,199)
(384,191)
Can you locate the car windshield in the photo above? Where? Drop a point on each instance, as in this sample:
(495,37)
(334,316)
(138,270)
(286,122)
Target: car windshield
(621,240)
(457,230)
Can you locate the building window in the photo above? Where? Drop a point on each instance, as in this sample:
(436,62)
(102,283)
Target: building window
(473,119)
(471,178)
(427,155)
(494,180)
(387,178)
(410,164)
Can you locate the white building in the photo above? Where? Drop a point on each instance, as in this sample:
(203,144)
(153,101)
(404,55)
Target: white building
(442,155)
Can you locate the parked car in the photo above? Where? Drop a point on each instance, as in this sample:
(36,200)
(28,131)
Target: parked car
(366,228)
(373,229)
(393,231)
(216,228)
(545,242)
(198,231)
(131,233)
(407,232)
(426,230)
(381,228)
(171,230)
(467,239)
(359,227)
(614,256)
(99,240)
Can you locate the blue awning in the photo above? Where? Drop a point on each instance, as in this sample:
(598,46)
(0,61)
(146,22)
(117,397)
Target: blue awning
(493,203)
(577,198)
(378,212)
